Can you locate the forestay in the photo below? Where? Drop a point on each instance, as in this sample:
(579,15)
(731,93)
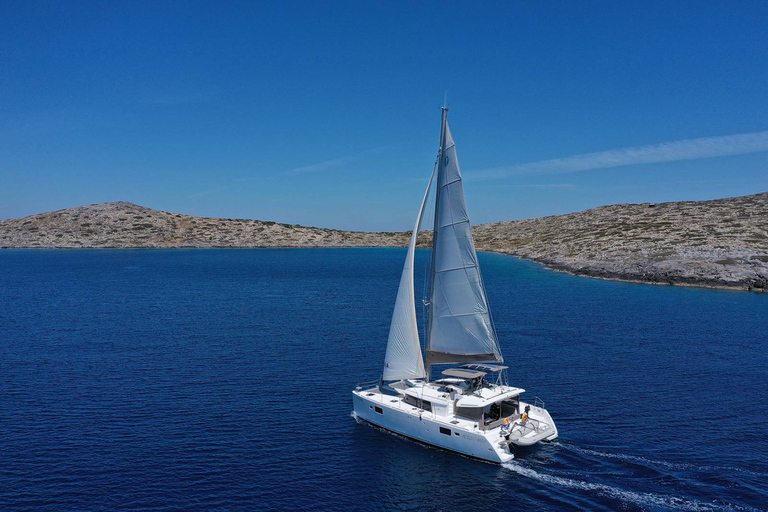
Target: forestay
(403,359)
(460,328)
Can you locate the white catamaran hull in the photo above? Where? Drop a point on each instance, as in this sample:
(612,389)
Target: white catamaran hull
(411,424)
(424,427)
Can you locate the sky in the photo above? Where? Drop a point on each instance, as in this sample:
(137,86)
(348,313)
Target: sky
(328,113)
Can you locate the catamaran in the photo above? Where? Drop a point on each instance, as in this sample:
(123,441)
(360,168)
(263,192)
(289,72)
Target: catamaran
(469,408)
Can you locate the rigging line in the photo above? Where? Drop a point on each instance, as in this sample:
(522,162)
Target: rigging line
(494,339)
(430,220)
(488,307)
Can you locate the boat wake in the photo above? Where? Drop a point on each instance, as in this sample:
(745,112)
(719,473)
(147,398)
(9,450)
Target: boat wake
(686,466)
(636,480)
(641,499)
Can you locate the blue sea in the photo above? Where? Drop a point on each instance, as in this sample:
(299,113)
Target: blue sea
(221,380)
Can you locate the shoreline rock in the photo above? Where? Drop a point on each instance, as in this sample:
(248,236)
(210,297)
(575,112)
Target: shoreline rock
(721,243)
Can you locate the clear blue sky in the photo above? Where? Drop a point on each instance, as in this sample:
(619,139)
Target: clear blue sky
(327,113)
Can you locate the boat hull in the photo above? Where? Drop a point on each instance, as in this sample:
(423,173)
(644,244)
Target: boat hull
(476,444)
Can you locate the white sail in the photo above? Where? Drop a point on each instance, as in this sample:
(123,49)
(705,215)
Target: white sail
(460,328)
(403,359)
(488,416)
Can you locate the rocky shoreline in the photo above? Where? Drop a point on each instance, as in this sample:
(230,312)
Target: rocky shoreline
(714,244)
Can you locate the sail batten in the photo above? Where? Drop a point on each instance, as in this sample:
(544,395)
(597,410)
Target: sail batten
(451,183)
(453,223)
(460,327)
(457,268)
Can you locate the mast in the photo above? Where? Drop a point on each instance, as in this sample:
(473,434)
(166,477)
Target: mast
(438,186)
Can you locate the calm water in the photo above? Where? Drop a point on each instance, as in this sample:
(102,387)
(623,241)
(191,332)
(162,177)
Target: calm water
(208,379)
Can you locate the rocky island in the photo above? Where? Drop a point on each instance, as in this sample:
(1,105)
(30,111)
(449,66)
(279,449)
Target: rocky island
(721,243)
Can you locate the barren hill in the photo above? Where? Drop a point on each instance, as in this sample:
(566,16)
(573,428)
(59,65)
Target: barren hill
(720,243)
(127,225)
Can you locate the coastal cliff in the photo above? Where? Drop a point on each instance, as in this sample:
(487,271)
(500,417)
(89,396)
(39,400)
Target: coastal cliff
(721,243)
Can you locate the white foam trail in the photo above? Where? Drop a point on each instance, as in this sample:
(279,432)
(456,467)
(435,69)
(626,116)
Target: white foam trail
(637,498)
(652,462)
(630,458)
(354,415)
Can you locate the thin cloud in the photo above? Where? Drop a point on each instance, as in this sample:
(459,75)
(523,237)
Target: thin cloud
(544,186)
(689,149)
(320,167)
(547,185)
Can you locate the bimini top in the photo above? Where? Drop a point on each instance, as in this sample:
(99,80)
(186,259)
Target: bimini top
(464,373)
(488,368)
(488,396)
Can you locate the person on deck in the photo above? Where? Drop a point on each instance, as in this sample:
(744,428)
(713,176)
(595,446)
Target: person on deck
(524,417)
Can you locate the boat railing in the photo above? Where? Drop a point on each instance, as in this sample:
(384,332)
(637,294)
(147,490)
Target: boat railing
(538,402)
(367,385)
(530,425)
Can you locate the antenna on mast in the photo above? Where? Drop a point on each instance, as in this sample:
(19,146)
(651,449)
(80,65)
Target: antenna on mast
(445,101)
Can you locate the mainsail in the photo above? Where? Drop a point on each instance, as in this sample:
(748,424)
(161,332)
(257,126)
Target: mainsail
(460,328)
(403,359)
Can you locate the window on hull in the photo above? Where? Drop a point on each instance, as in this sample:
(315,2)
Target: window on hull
(421,404)
(472,413)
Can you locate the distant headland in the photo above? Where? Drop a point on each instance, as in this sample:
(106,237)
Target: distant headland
(721,243)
